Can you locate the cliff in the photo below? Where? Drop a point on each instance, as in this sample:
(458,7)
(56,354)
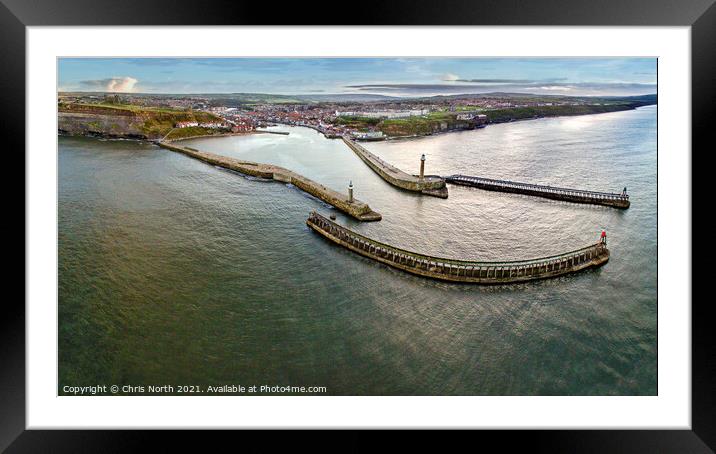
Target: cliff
(413,126)
(525,113)
(126,121)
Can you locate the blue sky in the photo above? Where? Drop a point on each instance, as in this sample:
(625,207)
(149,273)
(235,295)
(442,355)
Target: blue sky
(387,76)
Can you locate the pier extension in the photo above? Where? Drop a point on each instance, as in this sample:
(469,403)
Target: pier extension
(425,184)
(349,205)
(616,200)
(459,270)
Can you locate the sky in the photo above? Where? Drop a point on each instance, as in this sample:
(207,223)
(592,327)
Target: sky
(383,76)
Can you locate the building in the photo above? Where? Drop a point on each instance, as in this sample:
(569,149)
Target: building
(214,125)
(384,113)
(370,135)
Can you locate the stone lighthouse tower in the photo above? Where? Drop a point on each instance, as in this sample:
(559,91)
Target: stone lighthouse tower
(422,166)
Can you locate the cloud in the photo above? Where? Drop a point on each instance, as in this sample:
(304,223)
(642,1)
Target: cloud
(497,81)
(408,86)
(450,77)
(512,81)
(111,84)
(556,87)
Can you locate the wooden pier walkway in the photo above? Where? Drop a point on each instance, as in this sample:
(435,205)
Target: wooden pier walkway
(617,200)
(429,185)
(460,270)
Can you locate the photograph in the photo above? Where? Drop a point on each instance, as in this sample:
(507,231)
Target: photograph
(357,226)
(467,219)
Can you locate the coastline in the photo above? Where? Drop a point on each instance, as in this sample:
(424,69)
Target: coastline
(330,136)
(418,136)
(227,134)
(61,133)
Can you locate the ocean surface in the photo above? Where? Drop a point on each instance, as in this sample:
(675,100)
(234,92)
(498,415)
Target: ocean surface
(172,271)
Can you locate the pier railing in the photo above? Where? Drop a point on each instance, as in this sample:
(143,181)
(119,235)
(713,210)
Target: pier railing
(619,200)
(461,270)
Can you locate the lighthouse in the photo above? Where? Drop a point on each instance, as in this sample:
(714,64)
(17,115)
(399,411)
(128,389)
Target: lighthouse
(422,166)
(350,191)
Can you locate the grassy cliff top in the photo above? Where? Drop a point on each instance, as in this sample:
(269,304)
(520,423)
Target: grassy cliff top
(135,110)
(153,122)
(437,120)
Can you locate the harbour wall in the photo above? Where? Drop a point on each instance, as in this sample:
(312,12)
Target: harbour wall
(429,185)
(459,270)
(357,209)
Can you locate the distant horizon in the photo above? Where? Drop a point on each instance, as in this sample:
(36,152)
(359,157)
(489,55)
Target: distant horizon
(391,77)
(309,95)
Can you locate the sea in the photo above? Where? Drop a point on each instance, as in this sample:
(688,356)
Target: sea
(175,272)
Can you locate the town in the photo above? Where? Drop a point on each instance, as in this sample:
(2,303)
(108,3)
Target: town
(385,118)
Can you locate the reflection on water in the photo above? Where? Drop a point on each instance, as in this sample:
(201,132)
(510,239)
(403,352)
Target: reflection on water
(173,271)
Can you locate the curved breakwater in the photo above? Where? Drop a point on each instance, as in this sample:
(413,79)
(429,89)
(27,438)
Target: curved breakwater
(461,270)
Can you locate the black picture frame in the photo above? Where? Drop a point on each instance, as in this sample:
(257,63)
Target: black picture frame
(16,15)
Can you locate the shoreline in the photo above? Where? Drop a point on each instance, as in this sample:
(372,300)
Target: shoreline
(315,128)
(228,134)
(438,133)
(159,139)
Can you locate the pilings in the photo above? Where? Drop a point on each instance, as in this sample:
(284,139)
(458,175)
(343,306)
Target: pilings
(616,200)
(460,270)
(349,205)
(432,185)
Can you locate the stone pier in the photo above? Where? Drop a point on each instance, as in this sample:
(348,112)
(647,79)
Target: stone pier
(347,204)
(432,185)
(462,270)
